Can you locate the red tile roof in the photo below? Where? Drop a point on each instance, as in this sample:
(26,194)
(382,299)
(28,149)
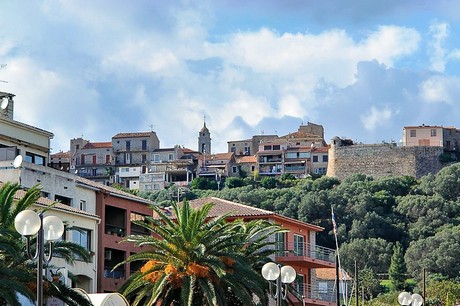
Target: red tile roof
(61,155)
(237,210)
(97,145)
(246,159)
(113,191)
(222,207)
(330,274)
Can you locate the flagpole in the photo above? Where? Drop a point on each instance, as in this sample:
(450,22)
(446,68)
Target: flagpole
(337,259)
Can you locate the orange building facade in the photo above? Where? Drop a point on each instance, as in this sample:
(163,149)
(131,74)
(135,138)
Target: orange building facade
(296,248)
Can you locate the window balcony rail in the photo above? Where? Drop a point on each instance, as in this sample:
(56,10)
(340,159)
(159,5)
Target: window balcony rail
(117,273)
(324,293)
(305,249)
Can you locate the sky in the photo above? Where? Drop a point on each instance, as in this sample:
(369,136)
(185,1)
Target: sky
(362,69)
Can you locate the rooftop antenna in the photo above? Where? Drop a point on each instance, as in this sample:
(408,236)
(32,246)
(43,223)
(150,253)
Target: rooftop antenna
(151,127)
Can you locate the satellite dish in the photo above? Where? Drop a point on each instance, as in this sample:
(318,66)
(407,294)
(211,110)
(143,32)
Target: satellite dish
(4,103)
(17,161)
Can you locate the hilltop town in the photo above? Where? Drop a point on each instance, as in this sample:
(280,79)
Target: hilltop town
(81,180)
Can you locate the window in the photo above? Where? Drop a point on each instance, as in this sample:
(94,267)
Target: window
(299,245)
(94,159)
(144,144)
(82,159)
(128,145)
(127,158)
(433,132)
(107,159)
(304,155)
(233,149)
(34,159)
(291,155)
(156,158)
(82,237)
(280,244)
(144,158)
(253,168)
(276,147)
(299,284)
(170,156)
(94,172)
(321,170)
(267,148)
(413,133)
(315,158)
(324,158)
(82,205)
(247,150)
(234,169)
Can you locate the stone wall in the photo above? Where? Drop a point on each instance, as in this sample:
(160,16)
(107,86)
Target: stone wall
(380,160)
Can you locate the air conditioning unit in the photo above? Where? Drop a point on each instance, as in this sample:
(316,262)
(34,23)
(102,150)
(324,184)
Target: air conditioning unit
(108,255)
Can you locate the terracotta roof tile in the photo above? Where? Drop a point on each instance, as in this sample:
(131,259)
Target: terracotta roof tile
(330,274)
(222,207)
(113,191)
(246,159)
(60,155)
(97,145)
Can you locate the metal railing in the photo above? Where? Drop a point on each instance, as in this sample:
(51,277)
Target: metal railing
(315,292)
(305,249)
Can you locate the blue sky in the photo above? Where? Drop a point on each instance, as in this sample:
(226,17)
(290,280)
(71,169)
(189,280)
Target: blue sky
(363,69)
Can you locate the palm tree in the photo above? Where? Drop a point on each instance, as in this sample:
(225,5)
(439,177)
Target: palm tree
(196,260)
(17,272)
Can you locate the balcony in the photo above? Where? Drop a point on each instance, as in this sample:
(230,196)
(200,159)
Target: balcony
(315,295)
(305,254)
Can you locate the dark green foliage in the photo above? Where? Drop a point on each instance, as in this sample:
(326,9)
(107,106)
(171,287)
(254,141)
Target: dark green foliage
(203,183)
(268,182)
(371,215)
(233,182)
(397,271)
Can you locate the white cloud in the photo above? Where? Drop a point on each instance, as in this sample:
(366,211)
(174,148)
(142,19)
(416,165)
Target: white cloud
(376,117)
(439,89)
(439,31)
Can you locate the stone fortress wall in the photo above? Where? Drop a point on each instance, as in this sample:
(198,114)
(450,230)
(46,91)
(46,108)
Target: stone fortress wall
(380,160)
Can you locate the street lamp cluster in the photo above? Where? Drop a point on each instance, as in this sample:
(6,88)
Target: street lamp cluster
(47,229)
(405,298)
(281,275)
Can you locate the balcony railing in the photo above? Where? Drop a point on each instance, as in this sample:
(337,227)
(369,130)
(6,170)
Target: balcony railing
(305,249)
(315,292)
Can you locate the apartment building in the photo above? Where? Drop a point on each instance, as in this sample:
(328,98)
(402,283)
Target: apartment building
(77,205)
(248,146)
(60,161)
(296,248)
(169,166)
(217,166)
(92,160)
(431,135)
(117,211)
(278,157)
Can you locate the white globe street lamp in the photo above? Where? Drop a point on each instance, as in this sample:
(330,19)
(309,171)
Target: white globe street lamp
(28,223)
(282,275)
(405,298)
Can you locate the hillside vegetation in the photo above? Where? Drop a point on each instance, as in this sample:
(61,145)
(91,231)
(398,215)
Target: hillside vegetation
(371,215)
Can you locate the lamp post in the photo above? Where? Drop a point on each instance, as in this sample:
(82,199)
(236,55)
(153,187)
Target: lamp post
(28,223)
(282,275)
(405,298)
